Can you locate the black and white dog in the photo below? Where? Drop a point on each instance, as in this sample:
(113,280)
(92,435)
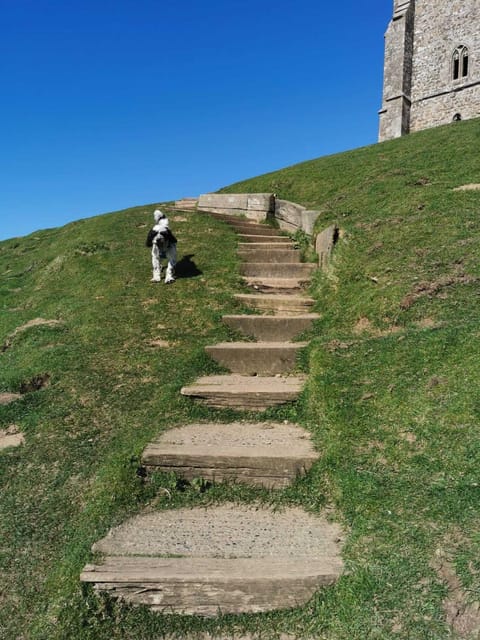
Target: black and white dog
(164,245)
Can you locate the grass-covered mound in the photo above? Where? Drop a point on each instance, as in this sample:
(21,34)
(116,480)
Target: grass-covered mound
(392,399)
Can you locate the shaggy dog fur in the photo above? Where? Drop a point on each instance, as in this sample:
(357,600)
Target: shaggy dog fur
(164,245)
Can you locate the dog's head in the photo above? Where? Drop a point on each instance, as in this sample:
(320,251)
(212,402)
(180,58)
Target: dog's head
(161,240)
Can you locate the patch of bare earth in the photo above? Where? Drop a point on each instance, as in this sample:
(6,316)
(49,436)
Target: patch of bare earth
(11,437)
(468,187)
(158,343)
(364,325)
(428,323)
(7,398)
(36,322)
(434,288)
(462,615)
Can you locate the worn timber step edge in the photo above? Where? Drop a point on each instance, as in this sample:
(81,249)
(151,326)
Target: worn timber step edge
(267,285)
(256,358)
(276,302)
(227,559)
(256,229)
(267,245)
(257,238)
(265,454)
(277,270)
(249,393)
(274,256)
(271,328)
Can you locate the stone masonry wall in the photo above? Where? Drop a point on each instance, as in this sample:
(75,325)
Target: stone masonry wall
(255,206)
(419,46)
(260,206)
(440,27)
(395,112)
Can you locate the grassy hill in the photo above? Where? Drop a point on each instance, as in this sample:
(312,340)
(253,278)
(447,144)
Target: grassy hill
(392,401)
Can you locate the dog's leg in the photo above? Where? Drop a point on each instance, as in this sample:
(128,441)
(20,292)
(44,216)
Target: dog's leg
(172,261)
(157,267)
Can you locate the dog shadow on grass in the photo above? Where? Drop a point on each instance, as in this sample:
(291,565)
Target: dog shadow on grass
(186,268)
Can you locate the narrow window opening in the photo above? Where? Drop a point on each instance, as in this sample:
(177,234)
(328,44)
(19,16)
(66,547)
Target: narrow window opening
(460,63)
(456,65)
(465,64)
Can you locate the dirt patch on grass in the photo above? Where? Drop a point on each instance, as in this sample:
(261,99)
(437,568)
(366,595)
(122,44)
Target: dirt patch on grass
(149,302)
(36,322)
(364,325)
(462,615)
(158,343)
(434,288)
(428,323)
(468,187)
(11,437)
(7,398)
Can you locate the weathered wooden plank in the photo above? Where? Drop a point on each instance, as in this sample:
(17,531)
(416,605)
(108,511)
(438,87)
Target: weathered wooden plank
(268,454)
(277,270)
(245,392)
(256,358)
(278,303)
(271,328)
(205,586)
(252,237)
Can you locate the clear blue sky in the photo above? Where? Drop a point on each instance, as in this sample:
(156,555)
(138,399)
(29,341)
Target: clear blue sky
(110,104)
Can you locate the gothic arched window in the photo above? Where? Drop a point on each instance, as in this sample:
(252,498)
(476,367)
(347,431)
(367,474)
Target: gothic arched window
(460,63)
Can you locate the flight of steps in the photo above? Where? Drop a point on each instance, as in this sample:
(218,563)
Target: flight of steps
(234,559)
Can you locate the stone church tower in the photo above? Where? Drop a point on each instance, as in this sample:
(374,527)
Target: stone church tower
(432,65)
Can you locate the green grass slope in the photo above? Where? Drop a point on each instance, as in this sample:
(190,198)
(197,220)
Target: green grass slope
(392,400)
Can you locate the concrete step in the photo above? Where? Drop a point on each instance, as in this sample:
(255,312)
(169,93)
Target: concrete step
(302,271)
(253,237)
(276,303)
(218,560)
(256,358)
(275,256)
(265,454)
(248,393)
(271,328)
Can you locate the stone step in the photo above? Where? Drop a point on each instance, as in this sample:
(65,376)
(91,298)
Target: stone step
(276,303)
(249,393)
(276,256)
(271,328)
(256,358)
(277,270)
(251,237)
(265,454)
(218,560)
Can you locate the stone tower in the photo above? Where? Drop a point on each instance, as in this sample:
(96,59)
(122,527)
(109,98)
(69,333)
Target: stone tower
(432,65)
